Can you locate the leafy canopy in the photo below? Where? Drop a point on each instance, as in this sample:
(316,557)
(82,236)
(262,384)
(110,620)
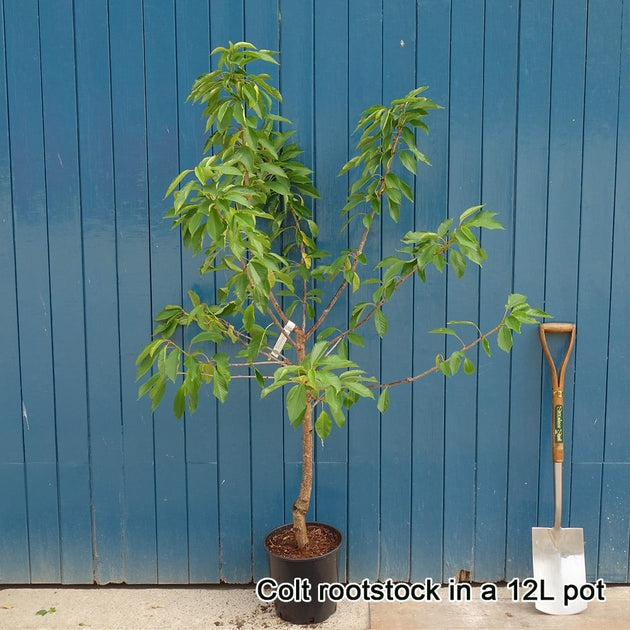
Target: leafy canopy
(244,208)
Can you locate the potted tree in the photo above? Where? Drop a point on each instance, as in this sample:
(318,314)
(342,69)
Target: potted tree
(244,208)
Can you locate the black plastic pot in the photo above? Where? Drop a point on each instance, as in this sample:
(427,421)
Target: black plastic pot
(316,570)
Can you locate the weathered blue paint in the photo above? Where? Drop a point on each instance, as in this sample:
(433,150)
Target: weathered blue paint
(93,127)
(365,60)
(531,172)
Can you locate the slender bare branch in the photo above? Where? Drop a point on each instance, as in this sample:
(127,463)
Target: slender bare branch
(435,368)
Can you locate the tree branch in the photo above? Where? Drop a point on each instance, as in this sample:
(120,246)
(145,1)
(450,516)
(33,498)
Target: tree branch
(357,252)
(435,368)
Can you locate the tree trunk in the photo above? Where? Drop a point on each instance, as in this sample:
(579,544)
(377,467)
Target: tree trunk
(300,507)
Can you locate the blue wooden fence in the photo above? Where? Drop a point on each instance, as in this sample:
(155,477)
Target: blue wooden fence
(93,126)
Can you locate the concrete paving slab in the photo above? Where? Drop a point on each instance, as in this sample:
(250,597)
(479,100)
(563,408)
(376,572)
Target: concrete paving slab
(614,613)
(168,608)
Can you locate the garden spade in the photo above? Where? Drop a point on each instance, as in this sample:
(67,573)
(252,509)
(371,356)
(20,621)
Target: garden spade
(558,552)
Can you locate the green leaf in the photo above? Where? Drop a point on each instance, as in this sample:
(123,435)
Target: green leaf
(194,298)
(256,345)
(296,404)
(273,169)
(516,299)
(43,612)
(144,365)
(514,323)
(358,388)
(249,319)
(179,402)
(323,425)
(148,384)
(443,331)
(167,312)
(504,339)
(444,227)
(220,387)
(334,401)
(318,352)
(485,344)
(324,334)
(221,376)
(157,393)
(408,161)
(380,323)
(469,366)
(355,281)
(484,219)
(467,213)
(355,339)
(458,262)
(536,312)
(214,336)
(357,313)
(382,403)
(214,225)
(393,207)
(455,362)
(171,364)
(177,181)
(281,186)
(259,378)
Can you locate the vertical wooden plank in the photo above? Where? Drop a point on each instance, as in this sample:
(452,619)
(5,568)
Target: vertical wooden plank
(617,444)
(499,139)
(433,61)
(465,111)
(66,285)
(296,82)
(332,501)
(181,40)
(227,23)
(331,132)
(363,531)
(565,171)
(532,156)
(43,507)
(100,288)
(614,523)
(399,62)
(163,156)
(596,228)
(127,56)
(601,103)
(203,539)
(586,481)
(14,563)
(33,289)
(297,60)
(262,28)
(14,551)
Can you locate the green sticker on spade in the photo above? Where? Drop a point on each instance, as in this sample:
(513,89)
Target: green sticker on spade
(558,424)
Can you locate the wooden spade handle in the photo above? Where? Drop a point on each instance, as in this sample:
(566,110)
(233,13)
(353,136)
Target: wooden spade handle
(557,384)
(557,327)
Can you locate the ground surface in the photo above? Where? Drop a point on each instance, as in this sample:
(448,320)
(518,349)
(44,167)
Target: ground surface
(237,608)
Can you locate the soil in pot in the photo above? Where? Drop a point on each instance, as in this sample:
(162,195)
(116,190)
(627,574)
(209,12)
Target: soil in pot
(321,540)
